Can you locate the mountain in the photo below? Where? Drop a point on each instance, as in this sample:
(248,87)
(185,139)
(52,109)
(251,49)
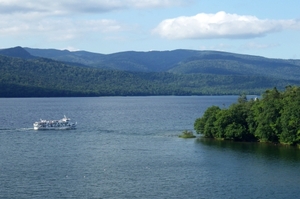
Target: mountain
(153,61)
(213,62)
(26,72)
(180,61)
(17,52)
(81,57)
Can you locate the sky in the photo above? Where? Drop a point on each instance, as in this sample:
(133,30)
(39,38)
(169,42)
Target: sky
(268,28)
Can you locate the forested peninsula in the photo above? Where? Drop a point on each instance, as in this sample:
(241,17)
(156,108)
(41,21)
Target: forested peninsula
(275,118)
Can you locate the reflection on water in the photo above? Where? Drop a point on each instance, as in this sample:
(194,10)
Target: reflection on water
(271,151)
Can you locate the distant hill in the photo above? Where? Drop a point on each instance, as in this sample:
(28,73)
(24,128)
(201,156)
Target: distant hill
(82,57)
(153,61)
(17,52)
(180,61)
(26,72)
(212,62)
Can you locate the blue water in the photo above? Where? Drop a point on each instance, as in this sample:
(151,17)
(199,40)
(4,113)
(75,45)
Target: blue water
(128,147)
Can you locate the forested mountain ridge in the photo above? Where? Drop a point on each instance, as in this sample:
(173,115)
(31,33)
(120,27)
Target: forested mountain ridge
(153,61)
(17,52)
(26,75)
(180,61)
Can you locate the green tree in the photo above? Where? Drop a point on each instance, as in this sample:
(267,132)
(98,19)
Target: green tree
(290,116)
(235,131)
(267,116)
(205,124)
(273,118)
(232,123)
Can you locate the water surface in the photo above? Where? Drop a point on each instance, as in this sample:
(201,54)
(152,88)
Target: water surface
(127,147)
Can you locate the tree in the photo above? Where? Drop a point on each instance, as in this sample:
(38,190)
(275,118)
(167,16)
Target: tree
(290,116)
(235,131)
(273,118)
(267,114)
(242,98)
(205,124)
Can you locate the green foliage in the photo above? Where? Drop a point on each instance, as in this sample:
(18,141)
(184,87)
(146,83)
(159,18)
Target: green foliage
(268,115)
(205,125)
(187,134)
(273,118)
(290,116)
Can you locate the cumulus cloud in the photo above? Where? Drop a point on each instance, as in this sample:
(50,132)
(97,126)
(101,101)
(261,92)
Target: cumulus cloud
(60,7)
(19,17)
(220,25)
(157,3)
(59,30)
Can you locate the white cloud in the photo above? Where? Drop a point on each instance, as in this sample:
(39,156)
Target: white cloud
(59,30)
(157,3)
(58,20)
(220,25)
(60,7)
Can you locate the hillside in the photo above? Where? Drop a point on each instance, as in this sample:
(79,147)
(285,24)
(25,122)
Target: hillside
(235,64)
(179,72)
(180,61)
(47,78)
(153,61)
(82,57)
(17,52)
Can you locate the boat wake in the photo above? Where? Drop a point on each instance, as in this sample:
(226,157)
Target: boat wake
(16,129)
(25,129)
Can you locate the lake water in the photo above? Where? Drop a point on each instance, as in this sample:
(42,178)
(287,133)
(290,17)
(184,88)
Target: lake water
(128,147)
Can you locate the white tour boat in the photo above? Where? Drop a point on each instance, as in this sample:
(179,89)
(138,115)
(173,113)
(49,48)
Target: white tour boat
(62,124)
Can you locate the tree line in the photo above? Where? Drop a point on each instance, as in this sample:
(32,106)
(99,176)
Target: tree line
(275,117)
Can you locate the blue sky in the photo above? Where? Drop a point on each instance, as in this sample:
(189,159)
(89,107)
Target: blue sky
(269,28)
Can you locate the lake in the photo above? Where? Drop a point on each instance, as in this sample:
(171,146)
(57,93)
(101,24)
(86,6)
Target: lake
(128,147)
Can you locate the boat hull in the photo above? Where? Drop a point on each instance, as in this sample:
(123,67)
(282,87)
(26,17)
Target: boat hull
(54,128)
